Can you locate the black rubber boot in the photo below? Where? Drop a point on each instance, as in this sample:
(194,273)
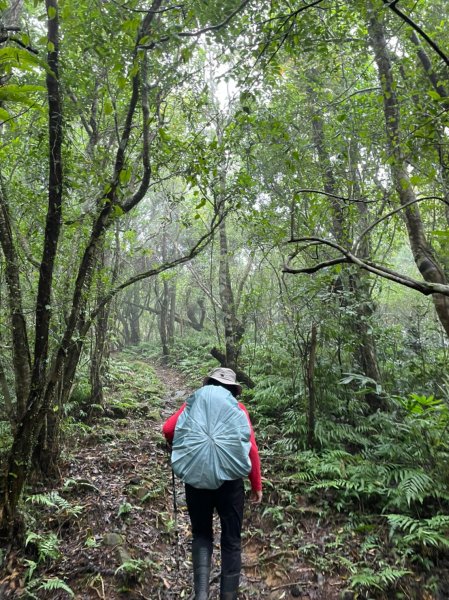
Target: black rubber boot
(201,557)
(229,586)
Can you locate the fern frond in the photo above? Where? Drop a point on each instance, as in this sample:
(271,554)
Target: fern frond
(381,580)
(423,532)
(56,584)
(414,484)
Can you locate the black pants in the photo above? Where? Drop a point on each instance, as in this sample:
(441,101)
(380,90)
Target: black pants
(228,499)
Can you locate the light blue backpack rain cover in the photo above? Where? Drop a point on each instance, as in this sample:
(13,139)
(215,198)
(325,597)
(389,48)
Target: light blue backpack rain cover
(211,442)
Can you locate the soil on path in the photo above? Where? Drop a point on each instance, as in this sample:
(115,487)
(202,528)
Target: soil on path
(119,536)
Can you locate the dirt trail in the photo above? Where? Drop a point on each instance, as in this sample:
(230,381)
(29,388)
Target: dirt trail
(271,569)
(124,541)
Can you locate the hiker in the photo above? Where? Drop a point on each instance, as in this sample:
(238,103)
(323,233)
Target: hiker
(212,466)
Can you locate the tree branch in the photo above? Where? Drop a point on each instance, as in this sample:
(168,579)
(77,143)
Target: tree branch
(424,287)
(194,251)
(143,187)
(55,190)
(9,38)
(215,27)
(393,212)
(392,5)
(199,32)
(330,195)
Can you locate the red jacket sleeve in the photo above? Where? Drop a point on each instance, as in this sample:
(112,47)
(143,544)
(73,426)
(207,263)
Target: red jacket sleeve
(255,475)
(168,428)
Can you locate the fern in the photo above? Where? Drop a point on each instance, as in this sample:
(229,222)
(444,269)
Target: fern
(131,567)
(415,485)
(31,566)
(422,533)
(55,501)
(44,499)
(382,580)
(47,545)
(55,583)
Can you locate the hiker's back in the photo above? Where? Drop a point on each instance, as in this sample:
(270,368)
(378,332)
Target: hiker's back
(212,439)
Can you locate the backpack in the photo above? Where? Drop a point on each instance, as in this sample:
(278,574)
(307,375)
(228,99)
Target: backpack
(211,443)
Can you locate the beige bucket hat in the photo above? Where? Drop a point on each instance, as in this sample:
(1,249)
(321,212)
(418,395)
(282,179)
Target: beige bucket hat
(223,375)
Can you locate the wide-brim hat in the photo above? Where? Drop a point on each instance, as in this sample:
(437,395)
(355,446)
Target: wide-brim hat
(225,376)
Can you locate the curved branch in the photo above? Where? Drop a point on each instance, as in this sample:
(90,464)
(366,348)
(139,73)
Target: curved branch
(393,212)
(423,287)
(215,27)
(199,32)
(323,193)
(194,251)
(18,42)
(317,267)
(392,4)
(146,178)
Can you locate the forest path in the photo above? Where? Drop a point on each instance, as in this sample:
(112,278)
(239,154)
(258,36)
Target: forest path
(124,540)
(272,566)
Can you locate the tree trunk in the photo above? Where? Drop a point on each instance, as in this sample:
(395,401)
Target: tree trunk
(20,346)
(242,377)
(233,328)
(310,384)
(423,254)
(11,16)
(134,319)
(98,356)
(4,387)
(365,307)
(365,355)
(172,314)
(163,321)
(167,306)
(45,379)
(163,301)
(441,142)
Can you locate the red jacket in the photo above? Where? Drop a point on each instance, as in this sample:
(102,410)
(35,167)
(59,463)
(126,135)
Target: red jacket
(254,476)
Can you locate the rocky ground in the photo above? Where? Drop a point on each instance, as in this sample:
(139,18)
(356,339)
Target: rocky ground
(110,531)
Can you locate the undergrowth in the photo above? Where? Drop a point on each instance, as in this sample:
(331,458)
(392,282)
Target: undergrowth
(382,478)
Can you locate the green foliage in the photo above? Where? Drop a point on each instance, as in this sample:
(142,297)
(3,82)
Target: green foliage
(63,509)
(81,394)
(125,509)
(133,568)
(384,579)
(265,146)
(419,533)
(18,58)
(56,584)
(53,584)
(91,542)
(394,468)
(192,357)
(47,545)
(134,380)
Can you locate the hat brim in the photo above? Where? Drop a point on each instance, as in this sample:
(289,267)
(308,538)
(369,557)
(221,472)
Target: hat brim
(208,378)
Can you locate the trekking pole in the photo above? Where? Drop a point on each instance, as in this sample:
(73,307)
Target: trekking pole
(175,509)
